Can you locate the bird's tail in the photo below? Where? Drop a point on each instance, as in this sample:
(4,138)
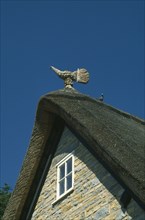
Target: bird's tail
(82,76)
(57,71)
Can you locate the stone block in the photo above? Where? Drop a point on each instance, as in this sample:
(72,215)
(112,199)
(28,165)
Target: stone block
(101,213)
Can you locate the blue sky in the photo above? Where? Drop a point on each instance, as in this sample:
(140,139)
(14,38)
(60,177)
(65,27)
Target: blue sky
(105,37)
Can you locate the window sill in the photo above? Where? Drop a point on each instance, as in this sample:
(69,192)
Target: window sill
(62,197)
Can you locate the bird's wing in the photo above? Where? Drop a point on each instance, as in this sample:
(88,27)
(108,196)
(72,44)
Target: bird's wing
(81,75)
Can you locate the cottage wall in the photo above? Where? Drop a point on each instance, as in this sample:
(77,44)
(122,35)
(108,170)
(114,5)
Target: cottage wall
(96,193)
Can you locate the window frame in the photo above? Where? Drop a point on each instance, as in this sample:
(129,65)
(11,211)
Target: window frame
(64,161)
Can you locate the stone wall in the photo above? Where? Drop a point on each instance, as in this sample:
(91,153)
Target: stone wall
(96,193)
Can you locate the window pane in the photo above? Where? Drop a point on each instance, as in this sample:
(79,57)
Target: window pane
(69,165)
(61,187)
(62,171)
(69,181)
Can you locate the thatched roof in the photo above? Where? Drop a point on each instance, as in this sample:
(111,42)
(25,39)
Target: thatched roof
(117,138)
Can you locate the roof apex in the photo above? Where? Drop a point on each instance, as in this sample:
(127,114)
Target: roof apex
(76,95)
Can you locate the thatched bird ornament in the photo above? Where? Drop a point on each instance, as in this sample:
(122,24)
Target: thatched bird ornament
(80,75)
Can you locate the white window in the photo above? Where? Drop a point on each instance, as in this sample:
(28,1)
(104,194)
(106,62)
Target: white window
(65,176)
